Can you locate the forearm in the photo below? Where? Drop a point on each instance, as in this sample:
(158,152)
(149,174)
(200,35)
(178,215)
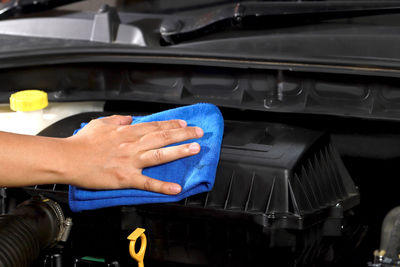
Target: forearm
(29,160)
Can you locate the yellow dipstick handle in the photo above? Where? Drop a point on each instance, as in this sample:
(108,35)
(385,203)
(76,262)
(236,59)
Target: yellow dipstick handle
(139,232)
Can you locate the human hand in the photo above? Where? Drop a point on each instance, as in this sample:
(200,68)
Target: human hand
(109,153)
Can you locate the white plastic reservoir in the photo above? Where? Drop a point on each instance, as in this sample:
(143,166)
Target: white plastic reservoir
(30,112)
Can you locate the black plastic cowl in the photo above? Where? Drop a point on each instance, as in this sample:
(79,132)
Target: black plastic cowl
(32,226)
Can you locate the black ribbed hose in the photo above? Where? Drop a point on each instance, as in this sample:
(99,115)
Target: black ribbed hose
(32,226)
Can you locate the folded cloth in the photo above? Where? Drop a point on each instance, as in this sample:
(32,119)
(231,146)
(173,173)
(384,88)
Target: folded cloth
(196,174)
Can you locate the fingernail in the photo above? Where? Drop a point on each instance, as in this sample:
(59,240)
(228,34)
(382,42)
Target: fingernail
(175,188)
(199,132)
(194,147)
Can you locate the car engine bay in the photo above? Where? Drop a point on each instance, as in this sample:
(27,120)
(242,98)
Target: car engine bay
(309,160)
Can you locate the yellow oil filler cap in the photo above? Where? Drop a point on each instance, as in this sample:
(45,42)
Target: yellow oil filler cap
(28,100)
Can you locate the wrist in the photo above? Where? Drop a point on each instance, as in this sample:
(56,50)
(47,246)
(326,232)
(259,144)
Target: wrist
(52,166)
(65,166)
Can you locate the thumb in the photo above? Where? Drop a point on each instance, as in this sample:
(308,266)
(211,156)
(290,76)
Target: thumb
(118,120)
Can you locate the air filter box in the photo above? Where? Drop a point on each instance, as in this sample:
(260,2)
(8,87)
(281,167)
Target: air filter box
(280,193)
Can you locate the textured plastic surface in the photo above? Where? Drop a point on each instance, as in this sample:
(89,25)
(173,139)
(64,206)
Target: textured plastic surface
(354,48)
(281,176)
(261,90)
(277,189)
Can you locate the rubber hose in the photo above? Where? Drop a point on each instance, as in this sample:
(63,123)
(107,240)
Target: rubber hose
(32,226)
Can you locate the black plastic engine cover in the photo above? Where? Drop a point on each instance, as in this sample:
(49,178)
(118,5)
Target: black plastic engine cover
(277,188)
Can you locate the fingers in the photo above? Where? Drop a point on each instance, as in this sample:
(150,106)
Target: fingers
(144,128)
(149,184)
(118,120)
(163,138)
(147,127)
(164,155)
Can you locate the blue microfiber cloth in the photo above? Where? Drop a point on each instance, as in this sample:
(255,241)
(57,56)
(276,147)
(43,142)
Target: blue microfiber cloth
(196,174)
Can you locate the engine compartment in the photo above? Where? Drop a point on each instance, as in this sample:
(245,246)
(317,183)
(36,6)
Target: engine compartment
(368,147)
(223,228)
(278,188)
(311,150)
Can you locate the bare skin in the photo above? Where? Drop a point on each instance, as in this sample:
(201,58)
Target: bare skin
(108,153)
